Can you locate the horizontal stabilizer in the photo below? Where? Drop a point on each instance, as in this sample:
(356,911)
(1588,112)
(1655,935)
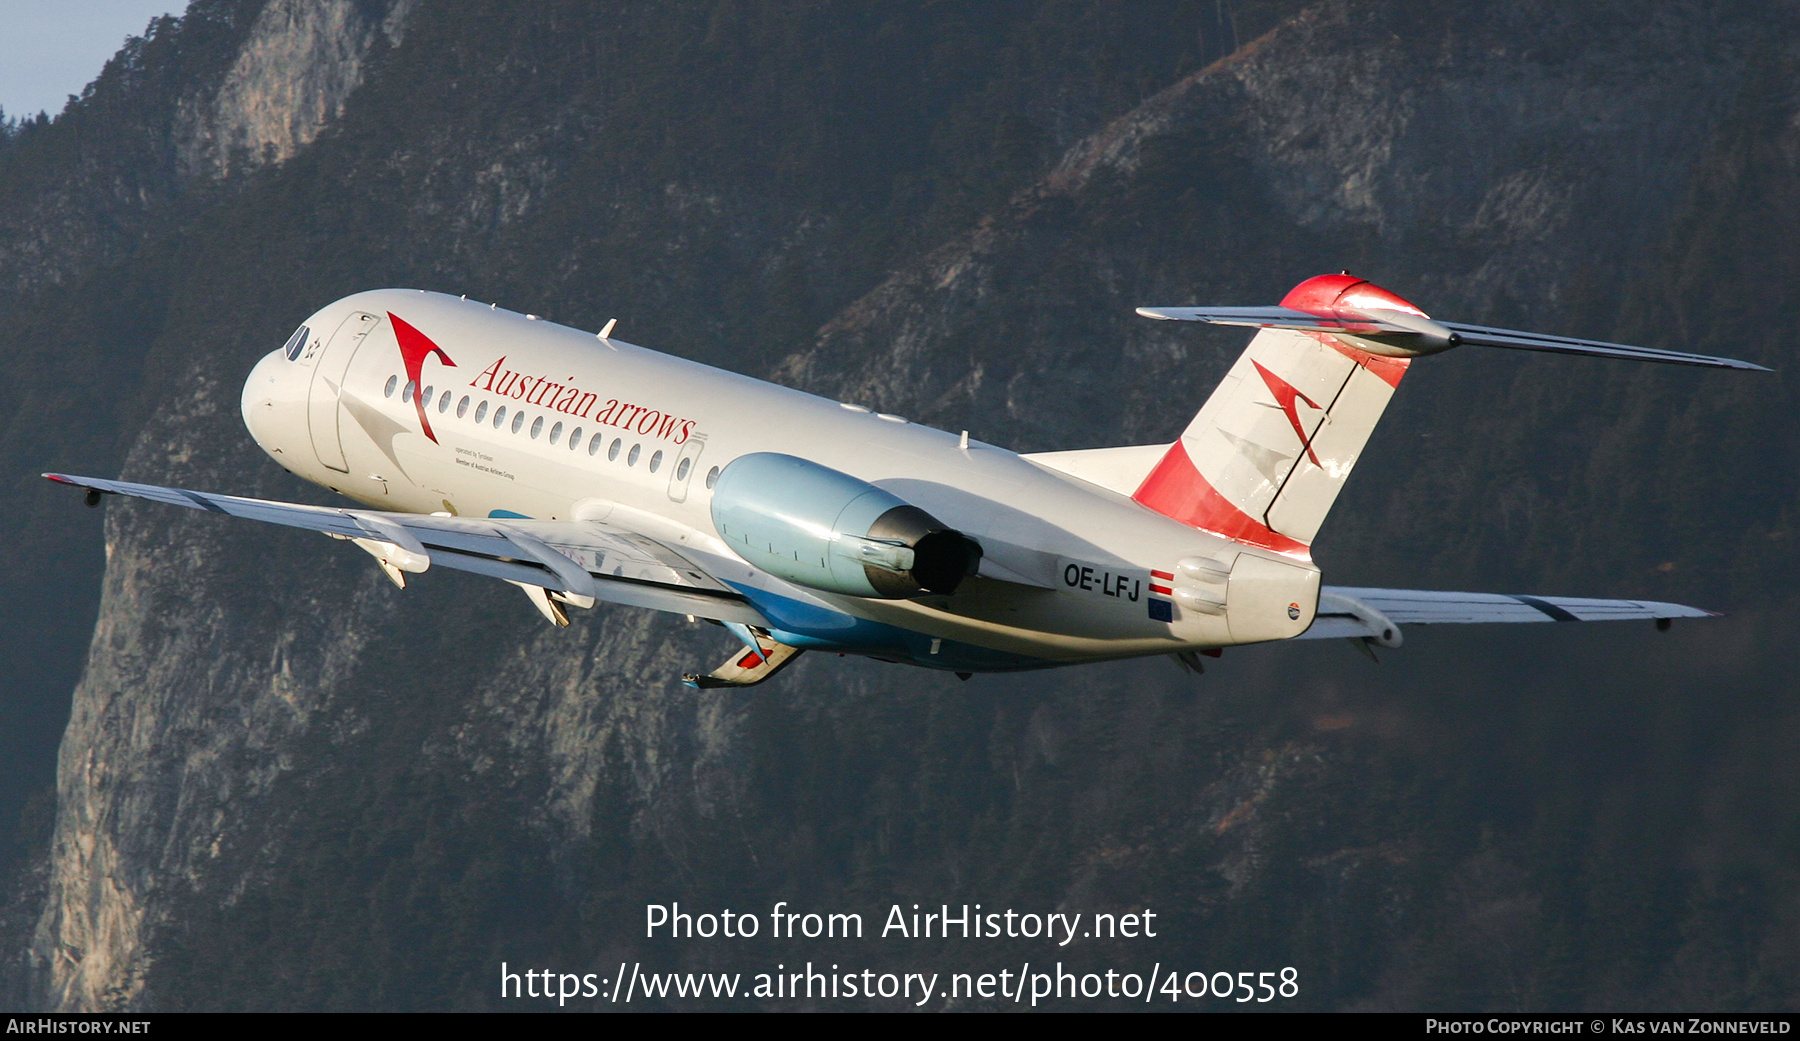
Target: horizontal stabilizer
(1340,320)
(1512,339)
(1410,335)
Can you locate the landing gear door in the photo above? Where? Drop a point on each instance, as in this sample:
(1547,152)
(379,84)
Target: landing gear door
(685,465)
(322,399)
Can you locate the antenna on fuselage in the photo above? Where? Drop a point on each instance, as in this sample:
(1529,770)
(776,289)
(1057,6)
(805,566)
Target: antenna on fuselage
(605,334)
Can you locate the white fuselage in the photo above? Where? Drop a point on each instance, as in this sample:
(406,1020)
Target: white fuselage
(617,433)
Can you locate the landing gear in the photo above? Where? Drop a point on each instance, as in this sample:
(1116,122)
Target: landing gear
(746,667)
(1190,660)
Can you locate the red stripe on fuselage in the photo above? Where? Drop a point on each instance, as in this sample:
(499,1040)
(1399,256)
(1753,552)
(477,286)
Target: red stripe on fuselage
(1176,490)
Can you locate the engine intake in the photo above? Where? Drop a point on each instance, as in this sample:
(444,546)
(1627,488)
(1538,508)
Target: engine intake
(825,529)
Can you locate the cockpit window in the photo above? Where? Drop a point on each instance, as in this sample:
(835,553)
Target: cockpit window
(295,343)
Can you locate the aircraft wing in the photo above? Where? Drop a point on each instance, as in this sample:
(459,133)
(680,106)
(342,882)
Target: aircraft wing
(1377,614)
(577,559)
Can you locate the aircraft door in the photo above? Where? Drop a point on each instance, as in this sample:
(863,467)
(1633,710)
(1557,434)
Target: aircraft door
(685,465)
(322,405)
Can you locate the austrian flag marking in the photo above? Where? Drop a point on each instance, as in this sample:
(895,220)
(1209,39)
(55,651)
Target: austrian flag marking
(1162,587)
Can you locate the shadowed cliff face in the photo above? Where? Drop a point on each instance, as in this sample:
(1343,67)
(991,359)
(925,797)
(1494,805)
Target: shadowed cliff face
(286,784)
(96,204)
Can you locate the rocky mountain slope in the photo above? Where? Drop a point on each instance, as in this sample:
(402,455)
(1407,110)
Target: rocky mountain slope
(286,784)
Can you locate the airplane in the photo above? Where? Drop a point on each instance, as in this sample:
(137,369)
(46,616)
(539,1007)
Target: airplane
(582,468)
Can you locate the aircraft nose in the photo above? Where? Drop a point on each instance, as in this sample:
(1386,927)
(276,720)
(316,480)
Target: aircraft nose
(259,397)
(274,406)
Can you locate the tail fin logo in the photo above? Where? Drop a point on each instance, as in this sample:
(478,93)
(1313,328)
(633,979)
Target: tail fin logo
(1286,394)
(415,347)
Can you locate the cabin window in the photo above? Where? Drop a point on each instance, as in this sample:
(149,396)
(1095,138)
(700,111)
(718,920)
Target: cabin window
(462,406)
(499,416)
(518,421)
(481,412)
(712,477)
(613,452)
(406,394)
(425,398)
(444,403)
(656,462)
(388,391)
(555,432)
(636,450)
(681,470)
(594,445)
(537,427)
(575,439)
(295,343)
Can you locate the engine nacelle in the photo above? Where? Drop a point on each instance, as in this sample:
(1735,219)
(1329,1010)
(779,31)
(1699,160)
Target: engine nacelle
(820,528)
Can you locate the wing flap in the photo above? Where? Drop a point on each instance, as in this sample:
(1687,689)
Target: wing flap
(1339,614)
(1331,627)
(581,558)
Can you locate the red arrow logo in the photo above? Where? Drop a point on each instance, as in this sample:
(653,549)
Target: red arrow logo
(1285,396)
(415,346)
